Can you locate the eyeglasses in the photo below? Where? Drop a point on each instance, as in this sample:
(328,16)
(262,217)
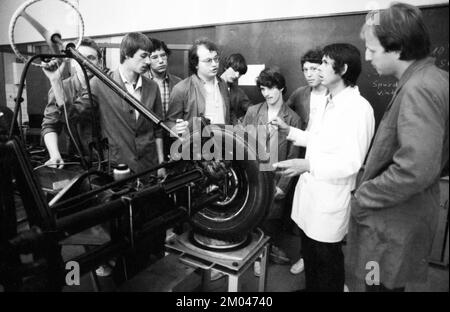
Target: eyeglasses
(209,61)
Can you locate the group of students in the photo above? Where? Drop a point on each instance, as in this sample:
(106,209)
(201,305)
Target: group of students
(379,190)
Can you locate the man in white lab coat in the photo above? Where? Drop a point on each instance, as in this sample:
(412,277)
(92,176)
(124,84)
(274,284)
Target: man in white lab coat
(336,146)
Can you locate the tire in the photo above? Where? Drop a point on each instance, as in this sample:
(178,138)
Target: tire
(251,193)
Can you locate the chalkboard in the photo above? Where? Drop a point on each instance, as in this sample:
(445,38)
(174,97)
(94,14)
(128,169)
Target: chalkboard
(283,42)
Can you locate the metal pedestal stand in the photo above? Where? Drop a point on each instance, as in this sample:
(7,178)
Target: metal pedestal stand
(232,263)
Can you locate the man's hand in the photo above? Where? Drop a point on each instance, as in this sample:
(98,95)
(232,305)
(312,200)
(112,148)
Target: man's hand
(181,127)
(53,69)
(55,161)
(292,167)
(282,126)
(279,193)
(162,172)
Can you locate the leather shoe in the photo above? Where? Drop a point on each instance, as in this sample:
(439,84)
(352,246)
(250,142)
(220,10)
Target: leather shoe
(278,256)
(298,267)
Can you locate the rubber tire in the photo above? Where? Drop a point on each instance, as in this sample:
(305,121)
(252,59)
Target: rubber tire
(250,213)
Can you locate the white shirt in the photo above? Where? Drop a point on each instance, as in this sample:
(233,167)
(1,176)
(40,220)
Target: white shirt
(135,91)
(317,104)
(214,109)
(336,147)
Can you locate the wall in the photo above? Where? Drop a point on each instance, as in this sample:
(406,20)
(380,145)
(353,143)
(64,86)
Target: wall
(109,17)
(282,42)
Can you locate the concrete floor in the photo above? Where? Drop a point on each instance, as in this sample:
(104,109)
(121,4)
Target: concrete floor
(279,279)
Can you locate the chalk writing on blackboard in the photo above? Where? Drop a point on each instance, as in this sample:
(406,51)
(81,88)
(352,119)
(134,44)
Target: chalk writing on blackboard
(383,87)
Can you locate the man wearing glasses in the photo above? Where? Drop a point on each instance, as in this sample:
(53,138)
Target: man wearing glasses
(159,63)
(202,94)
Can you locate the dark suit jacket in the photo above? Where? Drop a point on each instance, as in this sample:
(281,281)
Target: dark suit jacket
(239,103)
(173,80)
(299,102)
(395,208)
(257,115)
(130,141)
(187,100)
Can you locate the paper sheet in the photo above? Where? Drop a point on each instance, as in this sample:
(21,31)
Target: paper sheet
(253,71)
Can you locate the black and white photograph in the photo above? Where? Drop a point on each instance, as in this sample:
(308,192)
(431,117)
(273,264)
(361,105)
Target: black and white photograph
(229,154)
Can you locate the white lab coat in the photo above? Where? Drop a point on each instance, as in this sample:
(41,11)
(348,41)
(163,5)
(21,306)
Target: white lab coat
(336,146)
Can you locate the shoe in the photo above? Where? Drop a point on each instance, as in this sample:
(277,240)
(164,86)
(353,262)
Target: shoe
(257,268)
(298,267)
(215,275)
(278,256)
(346,288)
(104,270)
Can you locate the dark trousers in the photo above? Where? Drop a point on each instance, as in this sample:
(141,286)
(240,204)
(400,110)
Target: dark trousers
(324,265)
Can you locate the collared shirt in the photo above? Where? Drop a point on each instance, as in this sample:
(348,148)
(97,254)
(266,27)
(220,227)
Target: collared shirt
(316,104)
(336,146)
(163,85)
(133,89)
(214,103)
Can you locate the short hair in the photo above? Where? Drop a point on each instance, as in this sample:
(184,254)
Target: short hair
(271,77)
(400,28)
(193,56)
(131,43)
(237,62)
(159,45)
(341,54)
(89,42)
(312,56)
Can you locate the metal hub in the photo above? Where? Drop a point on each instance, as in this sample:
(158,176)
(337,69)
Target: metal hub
(216,244)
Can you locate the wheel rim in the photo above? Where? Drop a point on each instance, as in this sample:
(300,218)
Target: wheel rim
(220,210)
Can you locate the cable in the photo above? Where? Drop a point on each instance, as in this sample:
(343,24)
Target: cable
(69,130)
(66,163)
(53,164)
